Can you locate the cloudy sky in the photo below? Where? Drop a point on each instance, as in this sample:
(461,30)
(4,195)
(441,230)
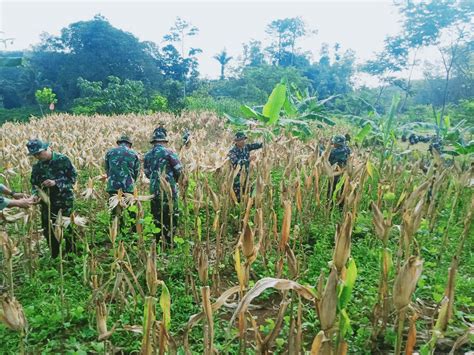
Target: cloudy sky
(359,25)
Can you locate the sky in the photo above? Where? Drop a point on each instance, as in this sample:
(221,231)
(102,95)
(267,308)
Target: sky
(357,25)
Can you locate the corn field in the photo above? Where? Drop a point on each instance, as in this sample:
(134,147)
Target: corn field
(384,265)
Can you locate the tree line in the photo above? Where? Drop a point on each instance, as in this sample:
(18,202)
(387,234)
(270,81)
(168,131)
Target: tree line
(94,67)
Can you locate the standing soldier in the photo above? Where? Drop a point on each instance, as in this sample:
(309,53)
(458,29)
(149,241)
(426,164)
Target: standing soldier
(239,155)
(339,155)
(18,199)
(161,162)
(122,167)
(55,174)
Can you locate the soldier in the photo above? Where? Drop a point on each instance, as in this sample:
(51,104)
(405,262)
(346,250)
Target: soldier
(55,174)
(239,155)
(186,138)
(19,199)
(339,155)
(436,145)
(122,167)
(161,161)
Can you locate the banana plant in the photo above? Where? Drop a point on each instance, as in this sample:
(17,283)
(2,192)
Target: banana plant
(286,107)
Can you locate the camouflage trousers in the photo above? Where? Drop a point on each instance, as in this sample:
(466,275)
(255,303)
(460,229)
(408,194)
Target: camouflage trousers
(48,227)
(164,217)
(239,188)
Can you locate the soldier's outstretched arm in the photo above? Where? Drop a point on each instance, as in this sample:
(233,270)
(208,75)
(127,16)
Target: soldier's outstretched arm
(254,146)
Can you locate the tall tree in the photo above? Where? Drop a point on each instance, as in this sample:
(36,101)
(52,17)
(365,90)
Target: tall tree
(223,60)
(93,50)
(284,33)
(253,55)
(178,33)
(445,24)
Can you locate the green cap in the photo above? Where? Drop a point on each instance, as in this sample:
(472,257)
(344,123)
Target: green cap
(124,139)
(158,136)
(240,136)
(36,146)
(338,139)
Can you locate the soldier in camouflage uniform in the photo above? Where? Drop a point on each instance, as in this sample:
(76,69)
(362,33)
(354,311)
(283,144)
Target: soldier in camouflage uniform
(239,155)
(436,145)
(339,155)
(18,199)
(161,161)
(55,175)
(122,167)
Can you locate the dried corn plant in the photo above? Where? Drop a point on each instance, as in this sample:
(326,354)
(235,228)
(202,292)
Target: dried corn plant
(266,234)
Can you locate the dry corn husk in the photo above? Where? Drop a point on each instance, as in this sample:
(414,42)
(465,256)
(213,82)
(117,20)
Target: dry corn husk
(342,249)
(406,280)
(202,266)
(12,314)
(328,305)
(285,229)
(248,242)
(101,319)
(151,273)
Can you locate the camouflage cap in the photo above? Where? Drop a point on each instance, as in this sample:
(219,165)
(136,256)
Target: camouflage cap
(124,139)
(36,146)
(240,136)
(158,136)
(338,139)
(160,129)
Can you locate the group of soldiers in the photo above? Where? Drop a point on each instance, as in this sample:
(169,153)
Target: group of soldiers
(435,141)
(54,175)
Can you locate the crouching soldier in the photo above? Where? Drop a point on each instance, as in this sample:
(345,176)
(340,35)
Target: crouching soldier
(161,162)
(55,175)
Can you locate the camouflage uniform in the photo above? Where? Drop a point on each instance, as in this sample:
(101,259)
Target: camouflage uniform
(241,157)
(339,155)
(4,202)
(122,167)
(161,160)
(436,144)
(60,169)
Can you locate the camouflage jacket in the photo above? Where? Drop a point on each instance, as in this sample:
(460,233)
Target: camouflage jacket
(122,166)
(160,160)
(339,155)
(60,169)
(3,201)
(241,157)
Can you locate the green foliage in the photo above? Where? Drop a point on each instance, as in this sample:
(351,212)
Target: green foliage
(116,98)
(285,108)
(158,103)
(45,97)
(22,114)
(220,106)
(275,103)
